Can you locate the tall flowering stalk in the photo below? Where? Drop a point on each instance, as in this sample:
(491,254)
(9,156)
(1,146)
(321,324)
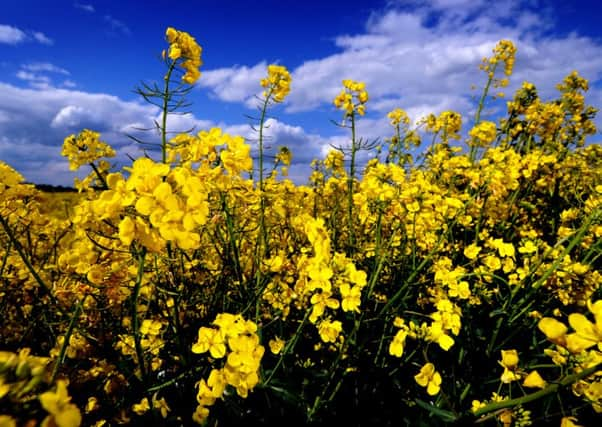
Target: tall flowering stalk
(352,100)
(277,86)
(504,52)
(183,56)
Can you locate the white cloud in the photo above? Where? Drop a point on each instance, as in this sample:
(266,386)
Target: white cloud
(236,84)
(71,116)
(34,123)
(44,67)
(34,80)
(69,84)
(33,73)
(42,38)
(116,25)
(418,55)
(11,35)
(85,7)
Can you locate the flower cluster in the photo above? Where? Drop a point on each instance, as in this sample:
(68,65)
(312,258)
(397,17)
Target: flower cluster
(85,148)
(503,52)
(236,339)
(352,99)
(277,83)
(184,48)
(447,125)
(483,134)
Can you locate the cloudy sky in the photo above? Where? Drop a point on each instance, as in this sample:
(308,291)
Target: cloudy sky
(67,65)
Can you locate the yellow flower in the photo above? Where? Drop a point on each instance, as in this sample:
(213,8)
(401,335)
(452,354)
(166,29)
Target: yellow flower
(509,359)
(345,99)
(57,404)
(7,421)
(276,345)
(534,380)
(85,148)
(277,83)
(184,49)
(398,116)
(476,405)
(211,340)
(554,330)
(428,377)
(528,247)
(397,345)
(142,407)
(508,376)
(161,405)
(329,331)
(471,251)
(483,134)
(351,297)
(587,334)
(569,422)
(509,362)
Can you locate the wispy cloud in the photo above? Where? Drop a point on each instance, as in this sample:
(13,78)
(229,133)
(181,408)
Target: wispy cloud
(116,25)
(35,74)
(42,38)
(13,35)
(44,67)
(68,84)
(85,7)
(35,80)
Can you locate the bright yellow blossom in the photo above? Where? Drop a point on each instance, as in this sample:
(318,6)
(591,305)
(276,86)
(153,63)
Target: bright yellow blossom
(277,83)
(428,377)
(534,380)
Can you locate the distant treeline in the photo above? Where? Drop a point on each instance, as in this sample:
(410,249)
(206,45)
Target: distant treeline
(47,188)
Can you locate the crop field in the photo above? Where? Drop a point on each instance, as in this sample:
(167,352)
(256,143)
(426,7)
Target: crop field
(201,286)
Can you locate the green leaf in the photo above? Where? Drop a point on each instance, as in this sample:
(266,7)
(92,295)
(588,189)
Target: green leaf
(446,416)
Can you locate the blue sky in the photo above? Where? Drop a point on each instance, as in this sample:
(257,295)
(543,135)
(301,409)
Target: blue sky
(67,65)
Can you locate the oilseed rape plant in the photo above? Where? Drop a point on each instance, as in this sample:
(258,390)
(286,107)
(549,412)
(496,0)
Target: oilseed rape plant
(194,286)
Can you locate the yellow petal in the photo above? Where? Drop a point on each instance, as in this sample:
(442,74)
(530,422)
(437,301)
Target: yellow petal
(68,417)
(552,328)
(575,343)
(509,358)
(534,380)
(584,327)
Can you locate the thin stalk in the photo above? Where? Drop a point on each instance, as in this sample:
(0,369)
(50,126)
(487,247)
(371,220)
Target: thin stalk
(289,347)
(350,181)
(166,95)
(27,262)
(477,119)
(72,322)
(135,320)
(552,388)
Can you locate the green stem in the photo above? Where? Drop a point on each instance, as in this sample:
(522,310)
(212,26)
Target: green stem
(100,177)
(288,347)
(135,320)
(477,119)
(350,181)
(72,322)
(27,262)
(552,388)
(166,95)
(574,241)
